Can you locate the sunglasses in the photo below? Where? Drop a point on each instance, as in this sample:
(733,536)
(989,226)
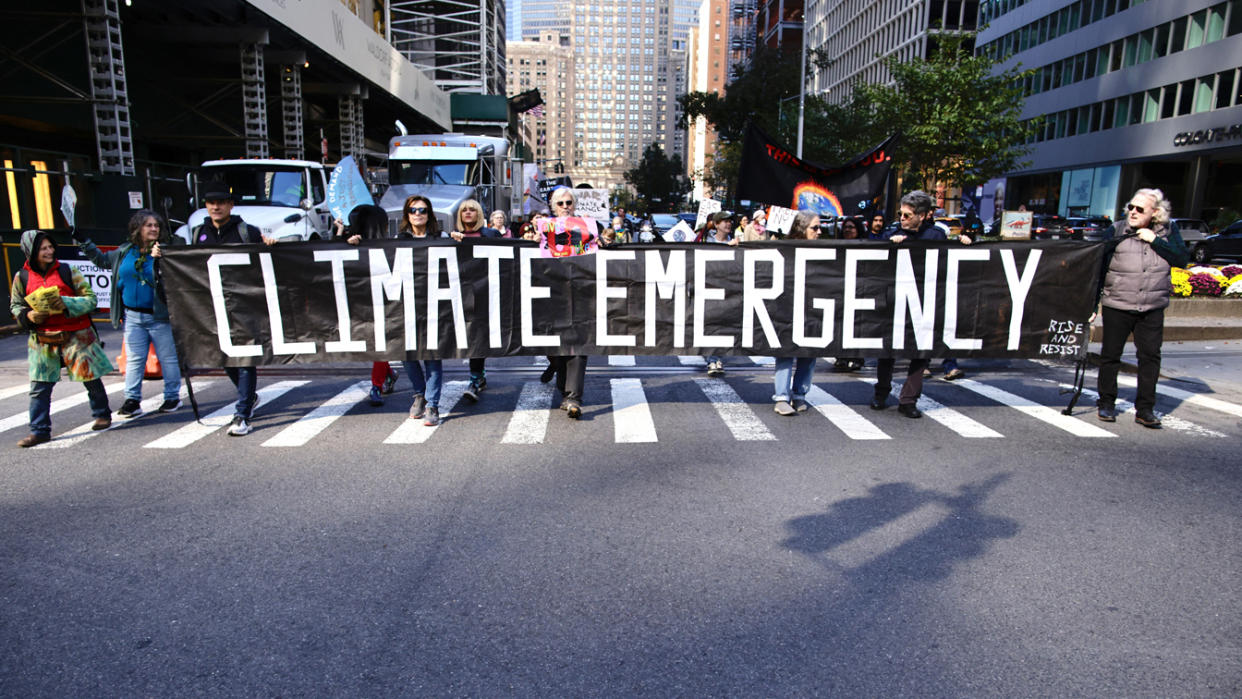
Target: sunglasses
(1135,207)
(907,214)
(562,203)
(417,210)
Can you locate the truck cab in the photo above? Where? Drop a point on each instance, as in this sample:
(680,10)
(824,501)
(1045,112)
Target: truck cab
(285,199)
(448,169)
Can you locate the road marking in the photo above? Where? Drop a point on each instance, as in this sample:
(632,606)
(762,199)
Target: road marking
(23,418)
(317,420)
(194,431)
(691,360)
(1125,407)
(529,423)
(14,390)
(83,432)
(541,360)
(1040,412)
(1187,396)
(413,431)
(854,426)
(954,420)
(631,415)
(763,361)
(737,415)
(620,360)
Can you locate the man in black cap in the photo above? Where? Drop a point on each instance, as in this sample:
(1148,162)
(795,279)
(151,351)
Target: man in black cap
(223,228)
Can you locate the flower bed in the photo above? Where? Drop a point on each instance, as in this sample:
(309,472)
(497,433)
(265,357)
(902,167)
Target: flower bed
(1207,280)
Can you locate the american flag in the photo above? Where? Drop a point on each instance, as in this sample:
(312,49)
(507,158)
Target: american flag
(536,111)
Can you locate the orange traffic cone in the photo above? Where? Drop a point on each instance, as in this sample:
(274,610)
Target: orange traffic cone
(151,371)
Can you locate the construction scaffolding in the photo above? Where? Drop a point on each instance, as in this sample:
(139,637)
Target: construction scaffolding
(460,44)
(109,94)
(254,100)
(291,110)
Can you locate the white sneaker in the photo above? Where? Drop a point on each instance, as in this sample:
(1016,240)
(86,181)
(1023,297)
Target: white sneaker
(240,427)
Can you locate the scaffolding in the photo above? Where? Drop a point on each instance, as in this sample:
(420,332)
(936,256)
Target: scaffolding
(291,111)
(460,44)
(353,141)
(109,94)
(254,100)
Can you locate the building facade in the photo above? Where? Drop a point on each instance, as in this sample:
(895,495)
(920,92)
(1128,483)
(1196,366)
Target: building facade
(1130,94)
(459,43)
(548,65)
(709,72)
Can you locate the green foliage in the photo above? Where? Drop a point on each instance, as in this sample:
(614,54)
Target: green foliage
(660,181)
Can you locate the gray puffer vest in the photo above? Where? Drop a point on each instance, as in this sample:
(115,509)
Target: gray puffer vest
(1138,277)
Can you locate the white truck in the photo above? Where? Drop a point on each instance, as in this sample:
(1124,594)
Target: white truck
(285,199)
(449,168)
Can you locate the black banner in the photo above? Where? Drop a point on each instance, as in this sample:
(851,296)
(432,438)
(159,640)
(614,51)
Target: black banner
(772,174)
(316,302)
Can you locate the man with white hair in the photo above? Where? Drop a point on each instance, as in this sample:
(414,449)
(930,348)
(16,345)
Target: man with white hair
(1134,292)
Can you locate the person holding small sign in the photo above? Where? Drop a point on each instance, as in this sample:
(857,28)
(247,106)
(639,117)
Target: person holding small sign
(469,229)
(569,370)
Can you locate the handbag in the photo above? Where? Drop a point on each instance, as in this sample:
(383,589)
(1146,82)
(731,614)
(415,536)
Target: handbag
(55,338)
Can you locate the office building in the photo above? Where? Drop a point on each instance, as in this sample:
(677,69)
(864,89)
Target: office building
(548,65)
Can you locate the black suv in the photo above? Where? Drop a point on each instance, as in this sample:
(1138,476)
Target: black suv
(1050,227)
(1093,228)
(1227,243)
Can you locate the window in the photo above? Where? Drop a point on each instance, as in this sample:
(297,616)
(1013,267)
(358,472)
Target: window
(1122,112)
(1177,38)
(1224,89)
(1185,97)
(1198,24)
(1161,44)
(1144,46)
(1203,94)
(1216,23)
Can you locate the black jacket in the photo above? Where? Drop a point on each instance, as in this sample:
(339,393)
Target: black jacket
(234,232)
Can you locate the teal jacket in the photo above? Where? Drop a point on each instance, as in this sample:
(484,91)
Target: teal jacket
(112,261)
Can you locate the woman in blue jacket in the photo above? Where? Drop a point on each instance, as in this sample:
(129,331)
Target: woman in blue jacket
(140,307)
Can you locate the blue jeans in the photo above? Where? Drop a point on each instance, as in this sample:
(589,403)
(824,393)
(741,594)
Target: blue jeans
(427,384)
(141,330)
(245,378)
(792,379)
(41,404)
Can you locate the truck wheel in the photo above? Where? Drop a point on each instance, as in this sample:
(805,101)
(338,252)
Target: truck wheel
(1200,254)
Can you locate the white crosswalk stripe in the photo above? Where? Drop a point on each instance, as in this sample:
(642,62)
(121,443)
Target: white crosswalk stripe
(317,420)
(631,415)
(14,390)
(191,433)
(529,422)
(23,418)
(1043,413)
(691,360)
(763,361)
(413,431)
(83,432)
(1188,397)
(854,426)
(620,360)
(1126,408)
(965,426)
(737,415)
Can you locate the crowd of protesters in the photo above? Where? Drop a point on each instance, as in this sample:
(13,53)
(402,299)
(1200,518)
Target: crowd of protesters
(53,301)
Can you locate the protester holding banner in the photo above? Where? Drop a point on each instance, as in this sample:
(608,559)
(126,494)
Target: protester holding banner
(878,224)
(1134,292)
(792,377)
(497,219)
(418,223)
(719,230)
(369,222)
(570,370)
(470,228)
(223,228)
(53,302)
(138,303)
(756,230)
(915,223)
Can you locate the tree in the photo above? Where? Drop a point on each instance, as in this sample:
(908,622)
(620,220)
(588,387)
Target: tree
(660,181)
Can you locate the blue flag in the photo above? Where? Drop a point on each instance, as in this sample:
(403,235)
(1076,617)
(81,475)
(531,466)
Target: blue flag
(347,189)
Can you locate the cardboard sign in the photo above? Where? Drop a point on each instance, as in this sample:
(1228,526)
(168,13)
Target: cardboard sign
(99,279)
(1016,225)
(135,200)
(568,236)
(681,233)
(592,203)
(780,219)
(707,207)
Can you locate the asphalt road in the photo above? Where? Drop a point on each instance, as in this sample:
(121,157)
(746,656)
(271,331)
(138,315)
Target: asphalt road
(842,552)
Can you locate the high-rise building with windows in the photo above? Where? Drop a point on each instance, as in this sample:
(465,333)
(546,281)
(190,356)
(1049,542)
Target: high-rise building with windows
(1129,94)
(548,65)
(460,44)
(709,72)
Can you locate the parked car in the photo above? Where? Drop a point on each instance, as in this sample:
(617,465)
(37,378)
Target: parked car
(953,222)
(662,223)
(1192,229)
(1050,227)
(1227,243)
(1092,228)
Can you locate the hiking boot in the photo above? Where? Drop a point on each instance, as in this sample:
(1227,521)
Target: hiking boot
(954,375)
(1106,413)
(33,439)
(390,382)
(418,407)
(130,409)
(573,408)
(472,391)
(784,408)
(432,417)
(910,410)
(879,401)
(1147,418)
(170,406)
(240,427)
(375,398)
(101,423)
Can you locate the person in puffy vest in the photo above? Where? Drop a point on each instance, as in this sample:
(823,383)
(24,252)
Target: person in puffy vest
(60,336)
(1134,291)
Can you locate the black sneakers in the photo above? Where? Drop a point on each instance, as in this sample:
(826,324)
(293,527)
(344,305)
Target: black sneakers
(130,409)
(170,406)
(1147,418)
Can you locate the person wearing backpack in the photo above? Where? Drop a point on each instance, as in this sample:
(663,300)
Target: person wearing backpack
(60,336)
(221,227)
(139,307)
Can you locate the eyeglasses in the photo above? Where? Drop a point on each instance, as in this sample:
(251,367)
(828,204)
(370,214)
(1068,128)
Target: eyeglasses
(562,203)
(417,210)
(1135,207)
(908,214)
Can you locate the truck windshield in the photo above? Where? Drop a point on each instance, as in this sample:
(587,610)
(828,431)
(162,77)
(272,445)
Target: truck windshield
(258,185)
(437,172)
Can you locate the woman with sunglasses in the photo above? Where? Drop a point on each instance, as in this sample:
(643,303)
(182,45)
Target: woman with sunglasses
(469,229)
(570,370)
(1134,292)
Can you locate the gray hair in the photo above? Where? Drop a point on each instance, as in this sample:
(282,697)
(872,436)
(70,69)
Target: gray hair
(568,190)
(1164,210)
(918,201)
(801,222)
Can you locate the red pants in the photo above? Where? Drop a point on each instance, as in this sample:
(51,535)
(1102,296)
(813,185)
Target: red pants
(379,372)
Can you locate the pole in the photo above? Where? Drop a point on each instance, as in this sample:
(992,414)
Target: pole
(802,91)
